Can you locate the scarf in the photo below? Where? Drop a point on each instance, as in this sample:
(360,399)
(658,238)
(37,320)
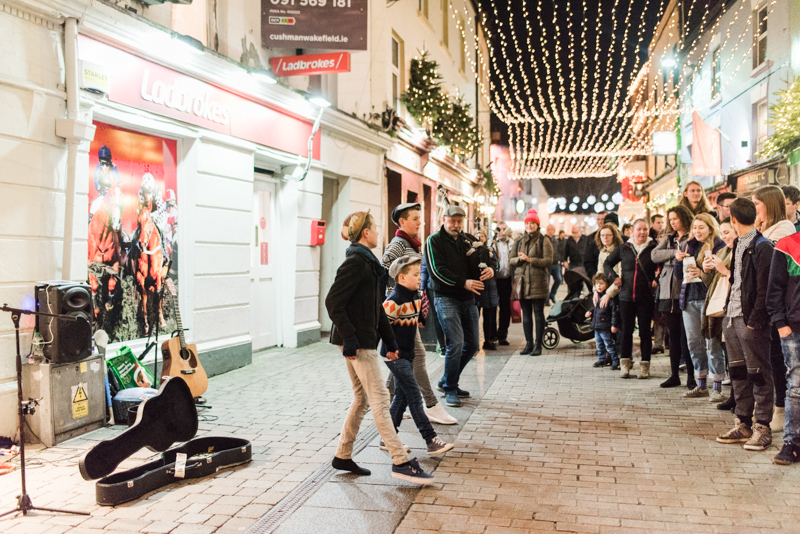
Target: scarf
(640,248)
(413,241)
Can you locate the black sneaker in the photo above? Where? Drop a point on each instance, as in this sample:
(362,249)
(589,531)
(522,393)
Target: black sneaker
(462,393)
(729,404)
(599,363)
(451,399)
(488,345)
(412,472)
(790,454)
(503,343)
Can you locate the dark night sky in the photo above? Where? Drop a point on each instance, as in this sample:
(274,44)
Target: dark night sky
(606,74)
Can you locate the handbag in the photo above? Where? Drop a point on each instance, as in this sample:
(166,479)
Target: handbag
(716,304)
(516,312)
(517,288)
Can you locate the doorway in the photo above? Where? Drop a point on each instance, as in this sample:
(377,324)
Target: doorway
(264,289)
(331,252)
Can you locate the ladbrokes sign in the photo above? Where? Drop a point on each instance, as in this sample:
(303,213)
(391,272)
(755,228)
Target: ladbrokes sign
(326,24)
(312,64)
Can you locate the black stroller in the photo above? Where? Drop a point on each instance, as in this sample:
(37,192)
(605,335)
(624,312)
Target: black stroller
(570,313)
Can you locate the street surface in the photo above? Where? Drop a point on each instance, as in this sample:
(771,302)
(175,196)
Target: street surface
(546,444)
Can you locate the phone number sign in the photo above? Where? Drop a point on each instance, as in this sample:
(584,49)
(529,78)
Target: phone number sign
(319,24)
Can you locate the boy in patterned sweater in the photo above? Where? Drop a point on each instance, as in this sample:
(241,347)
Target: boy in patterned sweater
(402,310)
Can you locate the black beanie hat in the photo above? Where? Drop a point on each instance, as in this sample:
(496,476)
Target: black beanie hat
(612,218)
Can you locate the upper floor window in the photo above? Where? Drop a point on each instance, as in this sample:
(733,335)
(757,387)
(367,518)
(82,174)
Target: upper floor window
(397,71)
(760,37)
(423,8)
(462,45)
(716,75)
(446,23)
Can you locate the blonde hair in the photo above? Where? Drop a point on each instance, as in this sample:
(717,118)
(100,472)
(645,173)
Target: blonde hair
(703,206)
(713,227)
(775,203)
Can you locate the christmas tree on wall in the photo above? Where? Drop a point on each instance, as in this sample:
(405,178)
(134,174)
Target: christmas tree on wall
(786,122)
(446,120)
(424,98)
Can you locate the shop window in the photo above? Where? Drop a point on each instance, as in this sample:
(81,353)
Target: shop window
(397,70)
(423,8)
(760,37)
(716,74)
(446,23)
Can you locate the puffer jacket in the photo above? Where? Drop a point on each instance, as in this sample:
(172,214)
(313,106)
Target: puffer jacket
(637,274)
(669,289)
(712,326)
(534,272)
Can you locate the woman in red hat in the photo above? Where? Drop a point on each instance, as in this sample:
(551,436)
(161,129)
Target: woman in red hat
(532,256)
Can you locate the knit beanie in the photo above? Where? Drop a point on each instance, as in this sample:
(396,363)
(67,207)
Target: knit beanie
(532,216)
(612,218)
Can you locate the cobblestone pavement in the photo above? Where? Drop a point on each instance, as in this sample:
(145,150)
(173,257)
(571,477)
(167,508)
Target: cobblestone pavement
(550,444)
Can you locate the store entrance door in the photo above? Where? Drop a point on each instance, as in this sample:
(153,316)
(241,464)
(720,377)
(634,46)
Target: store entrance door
(264,298)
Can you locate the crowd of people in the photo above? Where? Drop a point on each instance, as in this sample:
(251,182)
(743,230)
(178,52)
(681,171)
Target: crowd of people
(719,288)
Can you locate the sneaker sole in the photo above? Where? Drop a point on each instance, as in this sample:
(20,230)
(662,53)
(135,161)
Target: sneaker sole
(440,422)
(756,447)
(441,451)
(415,480)
(727,441)
(781,462)
(710,399)
(453,404)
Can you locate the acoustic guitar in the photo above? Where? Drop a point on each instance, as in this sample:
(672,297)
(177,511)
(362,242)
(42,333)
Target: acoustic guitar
(181,359)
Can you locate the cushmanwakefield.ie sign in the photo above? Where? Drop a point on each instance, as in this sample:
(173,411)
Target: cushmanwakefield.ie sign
(326,24)
(311,64)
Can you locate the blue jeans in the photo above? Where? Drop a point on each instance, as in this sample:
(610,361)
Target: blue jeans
(605,343)
(707,356)
(459,320)
(555,274)
(791,355)
(406,393)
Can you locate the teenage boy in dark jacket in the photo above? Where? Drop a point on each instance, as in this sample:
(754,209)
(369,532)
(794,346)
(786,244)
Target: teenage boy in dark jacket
(355,307)
(783,305)
(747,331)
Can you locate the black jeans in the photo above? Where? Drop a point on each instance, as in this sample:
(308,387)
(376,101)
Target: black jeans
(678,345)
(434,318)
(504,293)
(531,307)
(489,323)
(629,313)
(778,369)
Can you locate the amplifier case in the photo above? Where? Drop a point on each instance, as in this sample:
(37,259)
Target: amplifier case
(62,413)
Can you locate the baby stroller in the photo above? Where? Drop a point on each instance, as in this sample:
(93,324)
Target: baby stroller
(570,313)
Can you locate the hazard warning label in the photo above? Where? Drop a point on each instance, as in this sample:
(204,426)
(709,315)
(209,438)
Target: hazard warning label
(80,402)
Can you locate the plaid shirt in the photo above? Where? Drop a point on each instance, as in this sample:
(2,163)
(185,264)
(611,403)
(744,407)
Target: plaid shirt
(735,301)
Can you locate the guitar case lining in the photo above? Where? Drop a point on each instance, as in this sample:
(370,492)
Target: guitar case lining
(204,456)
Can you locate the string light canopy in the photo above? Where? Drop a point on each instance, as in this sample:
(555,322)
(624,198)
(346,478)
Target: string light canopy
(560,72)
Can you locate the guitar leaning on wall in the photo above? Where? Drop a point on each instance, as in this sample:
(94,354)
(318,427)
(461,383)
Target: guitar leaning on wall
(181,359)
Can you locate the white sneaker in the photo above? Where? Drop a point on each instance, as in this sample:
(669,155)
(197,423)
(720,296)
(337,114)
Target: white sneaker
(437,414)
(382,446)
(406,415)
(716,396)
(778,419)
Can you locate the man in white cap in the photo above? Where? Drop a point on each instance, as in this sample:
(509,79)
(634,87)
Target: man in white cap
(446,256)
(408,218)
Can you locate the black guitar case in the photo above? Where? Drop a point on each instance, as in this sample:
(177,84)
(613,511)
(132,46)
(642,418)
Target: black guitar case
(204,456)
(167,418)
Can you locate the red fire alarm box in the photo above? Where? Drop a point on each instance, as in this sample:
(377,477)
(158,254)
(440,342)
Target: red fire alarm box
(317,233)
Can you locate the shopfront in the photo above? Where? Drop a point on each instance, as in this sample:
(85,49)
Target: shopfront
(771,172)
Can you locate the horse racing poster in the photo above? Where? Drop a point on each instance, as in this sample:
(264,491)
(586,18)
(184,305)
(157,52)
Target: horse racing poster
(133,231)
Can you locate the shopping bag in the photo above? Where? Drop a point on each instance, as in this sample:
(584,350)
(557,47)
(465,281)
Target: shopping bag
(516,312)
(517,287)
(716,304)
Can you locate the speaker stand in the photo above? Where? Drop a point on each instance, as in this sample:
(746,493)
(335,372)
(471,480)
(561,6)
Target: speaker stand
(24,503)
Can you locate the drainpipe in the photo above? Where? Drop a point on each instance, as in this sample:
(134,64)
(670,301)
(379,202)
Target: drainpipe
(75,132)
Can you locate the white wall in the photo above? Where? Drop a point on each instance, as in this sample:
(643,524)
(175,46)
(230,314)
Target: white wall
(32,178)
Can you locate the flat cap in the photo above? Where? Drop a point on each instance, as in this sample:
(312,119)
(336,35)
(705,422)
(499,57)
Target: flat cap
(402,262)
(403,207)
(454,211)
(353,224)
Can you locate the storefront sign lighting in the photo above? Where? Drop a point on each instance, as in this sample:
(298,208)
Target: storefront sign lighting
(312,64)
(184,98)
(319,101)
(665,143)
(189,43)
(520,206)
(263,75)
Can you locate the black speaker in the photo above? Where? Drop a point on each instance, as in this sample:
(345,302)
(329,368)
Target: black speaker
(65,341)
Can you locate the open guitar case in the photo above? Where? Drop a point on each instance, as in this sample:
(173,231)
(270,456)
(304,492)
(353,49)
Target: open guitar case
(161,421)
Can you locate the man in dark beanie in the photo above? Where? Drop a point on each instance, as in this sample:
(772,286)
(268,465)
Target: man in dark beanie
(355,306)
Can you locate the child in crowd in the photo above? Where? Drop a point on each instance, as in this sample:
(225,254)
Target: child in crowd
(402,310)
(605,322)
